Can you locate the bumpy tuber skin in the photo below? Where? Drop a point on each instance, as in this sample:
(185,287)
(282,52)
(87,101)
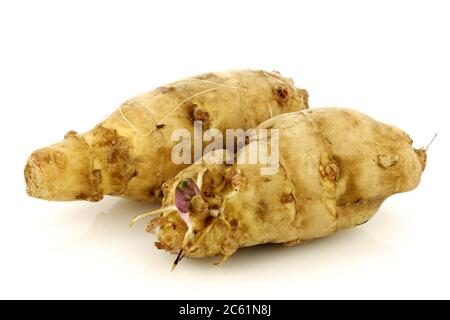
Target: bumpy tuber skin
(337,166)
(129,154)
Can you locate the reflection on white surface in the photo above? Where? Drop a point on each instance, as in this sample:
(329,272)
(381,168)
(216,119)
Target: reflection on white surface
(111,227)
(109,243)
(114,223)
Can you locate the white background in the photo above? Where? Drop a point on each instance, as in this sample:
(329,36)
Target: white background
(67,64)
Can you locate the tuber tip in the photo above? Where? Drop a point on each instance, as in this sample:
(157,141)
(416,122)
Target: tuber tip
(63,172)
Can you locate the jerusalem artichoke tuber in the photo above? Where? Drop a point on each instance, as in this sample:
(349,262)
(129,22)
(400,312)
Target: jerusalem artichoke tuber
(129,154)
(337,166)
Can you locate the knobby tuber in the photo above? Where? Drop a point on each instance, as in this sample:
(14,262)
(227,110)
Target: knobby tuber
(337,166)
(129,153)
